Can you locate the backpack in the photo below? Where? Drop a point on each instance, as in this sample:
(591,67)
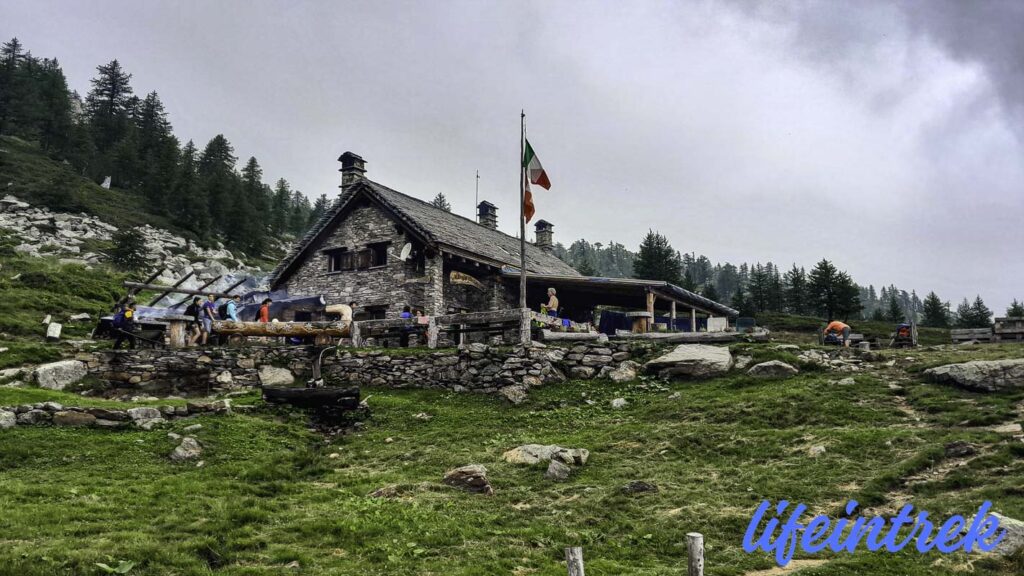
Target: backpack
(222,311)
(118,321)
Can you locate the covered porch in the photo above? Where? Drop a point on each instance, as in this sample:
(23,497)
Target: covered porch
(645,300)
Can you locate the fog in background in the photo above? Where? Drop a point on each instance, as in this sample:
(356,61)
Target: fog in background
(888,138)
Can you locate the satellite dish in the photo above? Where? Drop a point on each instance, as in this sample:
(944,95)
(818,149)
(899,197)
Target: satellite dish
(406,251)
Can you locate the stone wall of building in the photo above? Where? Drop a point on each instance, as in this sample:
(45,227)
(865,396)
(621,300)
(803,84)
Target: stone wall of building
(476,367)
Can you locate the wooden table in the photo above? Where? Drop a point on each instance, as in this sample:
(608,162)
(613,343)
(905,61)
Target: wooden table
(641,321)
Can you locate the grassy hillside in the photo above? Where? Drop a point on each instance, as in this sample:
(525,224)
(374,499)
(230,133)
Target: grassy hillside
(806,328)
(31,175)
(274,498)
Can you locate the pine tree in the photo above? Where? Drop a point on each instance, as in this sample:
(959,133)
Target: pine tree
(709,292)
(108,105)
(832,293)
(758,287)
(878,315)
(249,229)
(218,180)
(298,217)
(281,207)
(895,312)
(190,206)
(586,268)
(441,202)
(935,312)
(320,207)
(981,315)
(657,260)
(741,304)
(1016,310)
(15,87)
(795,290)
(129,251)
(964,315)
(53,123)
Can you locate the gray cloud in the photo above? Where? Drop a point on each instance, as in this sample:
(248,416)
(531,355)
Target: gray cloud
(886,137)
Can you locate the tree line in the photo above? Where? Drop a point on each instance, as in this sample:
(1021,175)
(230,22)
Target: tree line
(757,288)
(114,133)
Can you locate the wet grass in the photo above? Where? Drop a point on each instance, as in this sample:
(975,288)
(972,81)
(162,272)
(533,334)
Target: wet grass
(271,493)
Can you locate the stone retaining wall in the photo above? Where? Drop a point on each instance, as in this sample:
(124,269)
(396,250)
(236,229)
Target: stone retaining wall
(476,367)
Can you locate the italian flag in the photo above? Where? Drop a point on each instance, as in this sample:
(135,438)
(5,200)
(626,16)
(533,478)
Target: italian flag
(533,174)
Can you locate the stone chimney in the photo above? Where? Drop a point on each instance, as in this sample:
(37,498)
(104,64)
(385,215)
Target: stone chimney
(352,168)
(545,234)
(487,215)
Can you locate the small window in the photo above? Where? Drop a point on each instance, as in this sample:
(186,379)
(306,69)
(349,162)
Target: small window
(378,254)
(339,260)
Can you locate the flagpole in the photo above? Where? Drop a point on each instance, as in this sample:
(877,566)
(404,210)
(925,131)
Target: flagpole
(522,215)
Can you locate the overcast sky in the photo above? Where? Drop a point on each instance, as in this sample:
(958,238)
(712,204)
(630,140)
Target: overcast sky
(887,138)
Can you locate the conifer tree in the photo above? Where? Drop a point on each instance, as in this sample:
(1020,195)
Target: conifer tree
(657,260)
(894,313)
(190,206)
(981,315)
(1016,310)
(218,179)
(280,208)
(935,312)
(795,290)
(709,292)
(441,202)
(108,105)
(320,207)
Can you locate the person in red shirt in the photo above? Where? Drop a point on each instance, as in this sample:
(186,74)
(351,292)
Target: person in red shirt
(264,315)
(838,327)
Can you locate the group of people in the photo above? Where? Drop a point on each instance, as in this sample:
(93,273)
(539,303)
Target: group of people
(204,313)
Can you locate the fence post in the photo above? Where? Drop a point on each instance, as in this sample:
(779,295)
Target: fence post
(695,554)
(574,560)
(524,327)
(357,341)
(432,331)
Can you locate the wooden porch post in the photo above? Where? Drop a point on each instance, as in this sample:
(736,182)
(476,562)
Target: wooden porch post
(693,319)
(650,310)
(673,309)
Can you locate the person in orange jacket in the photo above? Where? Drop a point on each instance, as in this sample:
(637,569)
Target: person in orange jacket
(837,327)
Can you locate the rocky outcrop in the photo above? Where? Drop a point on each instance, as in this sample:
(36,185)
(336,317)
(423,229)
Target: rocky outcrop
(59,375)
(471,478)
(535,453)
(772,368)
(1014,539)
(692,361)
(8,419)
(981,375)
(275,376)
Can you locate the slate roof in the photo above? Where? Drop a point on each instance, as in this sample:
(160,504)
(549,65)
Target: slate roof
(439,227)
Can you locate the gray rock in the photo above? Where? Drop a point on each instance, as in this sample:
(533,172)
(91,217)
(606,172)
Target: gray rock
(960,449)
(274,376)
(534,453)
(76,419)
(34,416)
(582,372)
(772,368)
(815,451)
(639,487)
(619,403)
(192,428)
(626,372)
(471,478)
(144,413)
(7,419)
(693,361)
(225,378)
(149,423)
(514,394)
(1014,539)
(189,449)
(743,361)
(80,317)
(59,375)
(981,375)
(557,471)
(110,424)
(106,414)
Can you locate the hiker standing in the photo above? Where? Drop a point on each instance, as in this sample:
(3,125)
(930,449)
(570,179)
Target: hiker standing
(232,308)
(264,314)
(208,313)
(193,311)
(124,323)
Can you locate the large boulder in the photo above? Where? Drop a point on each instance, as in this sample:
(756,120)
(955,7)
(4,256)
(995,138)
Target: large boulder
(1014,539)
(534,453)
(274,376)
(471,478)
(7,419)
(515,394)
(981,375)
(59,375)
(772,368)
(693,361)
(71,418)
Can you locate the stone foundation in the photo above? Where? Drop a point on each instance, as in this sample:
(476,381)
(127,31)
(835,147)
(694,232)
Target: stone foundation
(477,367)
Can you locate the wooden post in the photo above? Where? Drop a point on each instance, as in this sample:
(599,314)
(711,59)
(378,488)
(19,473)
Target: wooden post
(693,319)
(673,309)
(694,554)
(574,560)
(177,333)
(357,340)
(432,333)
(524,327)
(650,310)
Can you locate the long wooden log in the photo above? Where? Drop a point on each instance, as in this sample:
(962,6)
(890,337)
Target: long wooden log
(548,335)
(684,337)
(340,328)
(132,292)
